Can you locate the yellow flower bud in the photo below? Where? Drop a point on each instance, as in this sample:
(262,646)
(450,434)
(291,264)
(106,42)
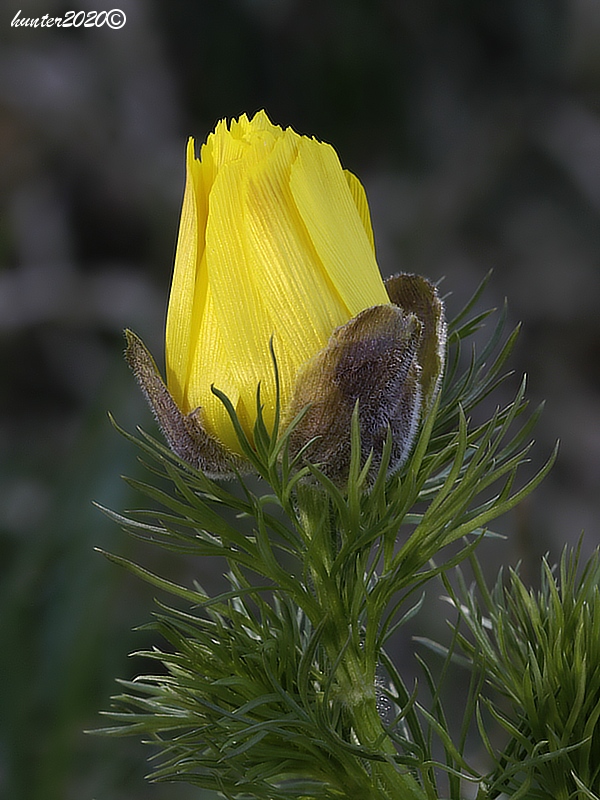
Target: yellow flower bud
(275,245)
(275,241)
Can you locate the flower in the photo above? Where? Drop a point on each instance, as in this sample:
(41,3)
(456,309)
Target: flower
(275,245)
(275,240)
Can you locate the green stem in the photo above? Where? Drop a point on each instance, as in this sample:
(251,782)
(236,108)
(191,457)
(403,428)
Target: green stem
(387,781)
(356,668)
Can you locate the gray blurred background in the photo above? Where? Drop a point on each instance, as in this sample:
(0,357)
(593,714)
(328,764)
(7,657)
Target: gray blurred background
(475,127)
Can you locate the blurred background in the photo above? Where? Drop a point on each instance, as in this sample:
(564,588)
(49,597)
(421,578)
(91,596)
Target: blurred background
(475,127)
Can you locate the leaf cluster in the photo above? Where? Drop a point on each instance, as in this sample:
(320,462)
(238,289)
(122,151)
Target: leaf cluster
(540,652)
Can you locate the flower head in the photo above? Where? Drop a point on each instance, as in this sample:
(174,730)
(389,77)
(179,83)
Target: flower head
(275,244)
(275,241)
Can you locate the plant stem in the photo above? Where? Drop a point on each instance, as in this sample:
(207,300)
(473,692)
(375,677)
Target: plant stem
(355,668)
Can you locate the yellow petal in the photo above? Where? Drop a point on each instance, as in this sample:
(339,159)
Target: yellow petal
(297,295)
(190,243)
(360,199)
(335,226)
(244,326)
(210,366)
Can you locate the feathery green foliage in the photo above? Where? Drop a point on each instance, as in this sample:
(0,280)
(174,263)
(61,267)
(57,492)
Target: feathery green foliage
(540,651)
(273,689)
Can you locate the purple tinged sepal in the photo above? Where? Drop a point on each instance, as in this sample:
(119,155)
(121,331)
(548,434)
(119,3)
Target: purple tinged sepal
(372,360)
(184,433)
(416,294)
(389,360)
